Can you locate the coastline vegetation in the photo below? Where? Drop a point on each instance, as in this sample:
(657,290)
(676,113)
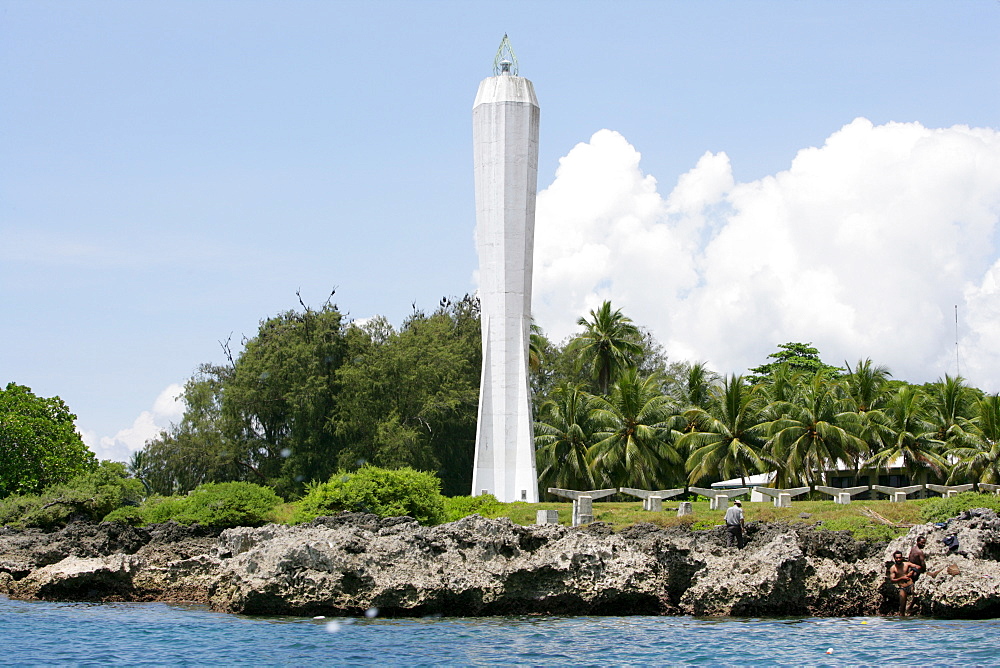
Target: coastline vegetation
(108,494)
(317,413)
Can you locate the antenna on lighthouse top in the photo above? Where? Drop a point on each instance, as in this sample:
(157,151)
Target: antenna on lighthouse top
(505,61)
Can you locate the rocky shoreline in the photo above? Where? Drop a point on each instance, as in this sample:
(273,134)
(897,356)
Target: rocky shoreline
(351,563)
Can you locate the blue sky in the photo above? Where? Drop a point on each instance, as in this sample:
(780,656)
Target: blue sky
(732,174)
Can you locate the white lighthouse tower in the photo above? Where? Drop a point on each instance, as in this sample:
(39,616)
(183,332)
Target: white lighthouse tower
(505,145)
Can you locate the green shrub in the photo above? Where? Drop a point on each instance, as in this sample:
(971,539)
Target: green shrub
(939,509)
(385,492)
(221,505)
(160,509)
(14,509)
(457,507)
(126,515)
(89,496)
(218,504)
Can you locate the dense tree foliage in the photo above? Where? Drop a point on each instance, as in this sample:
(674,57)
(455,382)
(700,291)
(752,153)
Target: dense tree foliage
(194,451)
(796,357)
(729,435)
(794,416)
(563,431)
(609,344)
(634,440)
(410,398)
(39,444)
(313,393)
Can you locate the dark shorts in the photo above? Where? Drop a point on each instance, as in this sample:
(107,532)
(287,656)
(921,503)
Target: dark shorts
(906,589)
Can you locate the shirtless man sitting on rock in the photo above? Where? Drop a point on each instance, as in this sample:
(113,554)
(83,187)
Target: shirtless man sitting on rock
(901,574)
(918,559)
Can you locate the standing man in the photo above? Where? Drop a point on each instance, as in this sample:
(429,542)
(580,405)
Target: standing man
(734,525)
(901,575)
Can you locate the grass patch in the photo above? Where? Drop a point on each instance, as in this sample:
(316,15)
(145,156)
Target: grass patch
(283,513)
(824,514)
(939,509)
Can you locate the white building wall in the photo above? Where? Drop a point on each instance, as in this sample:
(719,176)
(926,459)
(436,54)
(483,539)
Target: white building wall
(505,145)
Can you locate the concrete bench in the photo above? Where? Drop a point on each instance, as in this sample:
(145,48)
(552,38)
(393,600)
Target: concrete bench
(987,488)
(842,495)
(782,497)
(719,499)
(651,499)
(546,517)
(950,490)
(898,494)
(583,502)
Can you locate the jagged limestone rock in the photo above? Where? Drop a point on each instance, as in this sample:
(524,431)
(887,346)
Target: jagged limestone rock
(347,564)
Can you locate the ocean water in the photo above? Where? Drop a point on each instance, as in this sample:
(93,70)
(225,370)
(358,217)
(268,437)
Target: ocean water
(85,634)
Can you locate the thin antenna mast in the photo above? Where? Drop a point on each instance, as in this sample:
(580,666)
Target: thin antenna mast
(958,367)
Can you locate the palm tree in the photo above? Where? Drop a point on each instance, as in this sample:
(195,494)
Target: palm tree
(696,390)
(137,467)
(609,344)
(869,391)
(562,436)
(540,357)
(781,387)
(635,444)
(868,385)
(537,343)
(948,407)
(978,448)
(814,432)
(730,434)
(912,437)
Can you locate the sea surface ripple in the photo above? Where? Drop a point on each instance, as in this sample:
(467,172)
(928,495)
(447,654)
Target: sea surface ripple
(135,634)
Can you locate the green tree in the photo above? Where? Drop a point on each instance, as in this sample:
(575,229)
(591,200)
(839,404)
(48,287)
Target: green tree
(537,345)
(635,446)
(280,395)
(911,438)
(730,434)
(410,398)
(609,344)
(138,469)
(868,385)
(652,359)
(783,383)
(869,391)
(563,364)
(696,386)
(89,495)
(799,357)
(978,447)
(563,433)
(814,432)
(196,450)
(39,444)
(541,357)
(949,407)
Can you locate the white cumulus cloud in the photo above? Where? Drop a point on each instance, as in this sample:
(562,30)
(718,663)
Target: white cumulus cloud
(167,408)
(864,247)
